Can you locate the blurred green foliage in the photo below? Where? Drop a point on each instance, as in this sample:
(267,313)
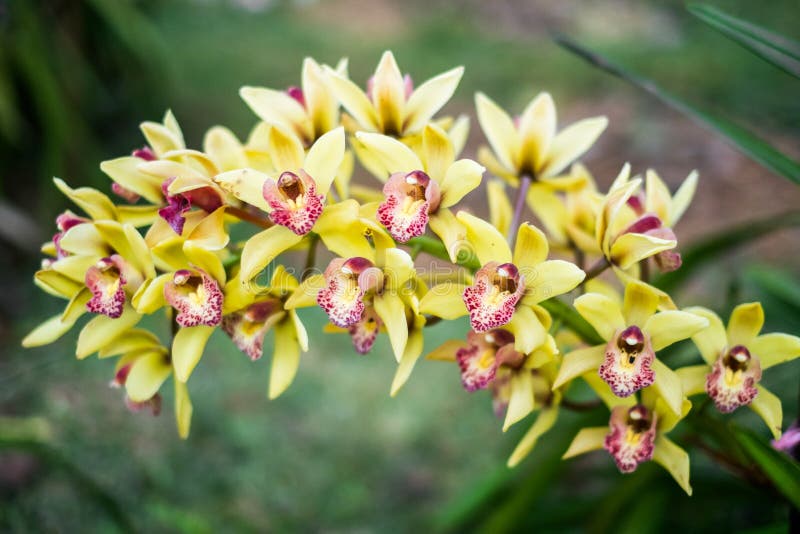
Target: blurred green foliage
(336,453)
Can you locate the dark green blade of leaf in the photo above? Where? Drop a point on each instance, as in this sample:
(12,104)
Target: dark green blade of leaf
(749,144)
(777,283)
(779,50)
(710,247)
(779,468)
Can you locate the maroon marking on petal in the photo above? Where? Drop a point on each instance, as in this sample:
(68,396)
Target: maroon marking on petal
(631,440)
(733,378)
(342,298)
(364,332)
(493,297)
(644,224)
(176,206)
(146,153)
(408,85)
(106,281)
(627,364)
(636,202)
(197,298)
(125,193)
(248,327)
(153,404)
(64,222)
(297,94)
(121,376)
(294,201)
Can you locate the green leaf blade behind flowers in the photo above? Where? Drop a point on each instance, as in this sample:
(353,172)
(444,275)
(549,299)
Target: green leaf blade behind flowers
(778,467)
(774,48)
(740,138)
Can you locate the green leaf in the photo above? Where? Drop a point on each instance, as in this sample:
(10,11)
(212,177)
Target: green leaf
(777,49)
(778,467)
(743,140)
(776,283)
(572,319)
(710,247)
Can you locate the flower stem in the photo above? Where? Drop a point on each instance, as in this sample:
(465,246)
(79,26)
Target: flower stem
(311,257)
(581,406)
(596,269)
(522,192)
(246,216)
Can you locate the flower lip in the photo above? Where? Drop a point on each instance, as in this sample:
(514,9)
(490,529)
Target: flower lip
(297,94)
(626,367)
(146,153)
(106,281)
(631,439)
(733,379)
(738,358)
(347,281)
(294,201)
(492,299)
(410,199)
(196,296)
(644,224)
(290,185)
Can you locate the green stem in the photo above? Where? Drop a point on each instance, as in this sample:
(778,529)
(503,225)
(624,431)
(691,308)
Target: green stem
(596,269)
(311,257)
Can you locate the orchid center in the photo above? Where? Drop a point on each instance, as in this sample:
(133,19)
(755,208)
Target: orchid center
(733,379)
(196,296)
(105,280)
(410,199)
(631,439)
(492,299)
(626,367)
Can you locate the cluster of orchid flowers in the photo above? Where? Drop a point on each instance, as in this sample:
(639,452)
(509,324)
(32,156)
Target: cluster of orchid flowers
(164,246)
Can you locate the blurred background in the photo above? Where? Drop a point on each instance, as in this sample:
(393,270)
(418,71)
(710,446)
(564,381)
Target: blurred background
(335,453)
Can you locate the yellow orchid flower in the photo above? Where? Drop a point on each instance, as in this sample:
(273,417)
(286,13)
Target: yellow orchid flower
(632,227)
(309,111)
(507,288)
(294,196)
(636,433)
(735,359)
(98,266)
(634,333)
(520,383)
(530,145)
(569,215)
(247,318)
(391,105)
(363,293)
(420,191)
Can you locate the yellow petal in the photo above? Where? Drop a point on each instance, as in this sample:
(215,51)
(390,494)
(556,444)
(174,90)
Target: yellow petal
(639,305)
(772,349)
(246,185)
(183,409)
(629,249)
(586,440)
(97,205)
(224,149)
(458,133)
(429,98)
(683,197)
(388,94)
(76,307)
(285,359)
(84,240)
(547,418)
(410,356)
(531,247)
(210,234)
(137,216)
(47,332)
(353,99)
(579,362)
(452,233)
(500,209)
(438,153)
(161,138)
(306,294)
(101,330)
(602,312)
(745,323)
(391,310)
(657,197)
(528,330)
(693,379)
(675,460)
(444,300)
(206,260)
(549,279)
(668,327)
(668,385)
(520,403)
(264,247)
(186,177)
(300,331)
(390,153)
(499,130)
(537,128)
(324,158)
(487,243)
(187,349)
(140,257)
(125,171)
(571,143)
(769,408)
(487,158)
(550,209)
(150,295)
(56,283)
(322,107)
(398,269)
(601,389)
(285,149)
(446,352)
(277,107)
(613,203)
(146,376)
(136,340)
